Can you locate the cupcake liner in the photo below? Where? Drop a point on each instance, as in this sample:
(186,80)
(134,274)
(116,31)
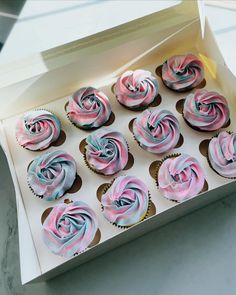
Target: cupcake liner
(207,157)
(205,187)
(52,143)
(111,119)
(107,186)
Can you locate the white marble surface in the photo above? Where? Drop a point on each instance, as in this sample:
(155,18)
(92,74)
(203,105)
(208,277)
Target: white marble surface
(193,255)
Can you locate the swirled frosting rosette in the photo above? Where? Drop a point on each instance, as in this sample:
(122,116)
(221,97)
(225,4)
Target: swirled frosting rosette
(180,178)
(222,154)
(156,131)
(206,110)
(50,175)
(106,151)
(36,130)
(88,108)
(182,72)
(69,229)
(136,89)
(126,202)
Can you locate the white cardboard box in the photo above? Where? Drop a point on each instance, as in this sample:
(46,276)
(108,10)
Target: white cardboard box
(46,80)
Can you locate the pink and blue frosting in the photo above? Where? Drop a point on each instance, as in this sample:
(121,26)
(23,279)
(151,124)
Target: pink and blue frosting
(206,110)
(180,178)
(50,175)
(69,229)
(126,202)
(136,89)
(222,154)
(182,72)
(36,130)
(157,131)
(88,108)
(106,151)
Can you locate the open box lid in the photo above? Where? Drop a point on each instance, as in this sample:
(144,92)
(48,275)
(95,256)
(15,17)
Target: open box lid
(27,73)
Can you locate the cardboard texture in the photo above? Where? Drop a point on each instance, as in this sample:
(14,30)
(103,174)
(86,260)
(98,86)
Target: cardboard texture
(98,61)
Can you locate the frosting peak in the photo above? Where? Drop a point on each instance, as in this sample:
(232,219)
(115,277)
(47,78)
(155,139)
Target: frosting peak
(180,178)
(222,154)
(126,201)
(88,108)
(50,175)
(135,89)
(206,110)
(156,131)
(36,130)
(70,229)
(106,151)
(182,72)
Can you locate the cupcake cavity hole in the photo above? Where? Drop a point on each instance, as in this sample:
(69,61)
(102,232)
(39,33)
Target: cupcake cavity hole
(152,210)
(131,123)
(153,169)
(157,101)
(61,139)
(76,186)
(101,189)
(82,146)
(45,214)
(130,162)
(180,141)
(110,120)
(203,147)
(158,71)
(96,239)
(227,124)
(180,106)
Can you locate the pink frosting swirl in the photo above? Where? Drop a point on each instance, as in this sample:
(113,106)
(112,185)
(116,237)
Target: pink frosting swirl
(126,201)
(206,110)
(106,151)
(88,108)
(222,154)
(182,72)
(180,178)
(156,131)
(135,89)
(36,130)
(69,229)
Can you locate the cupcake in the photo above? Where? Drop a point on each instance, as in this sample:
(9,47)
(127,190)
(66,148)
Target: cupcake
(126,201)
(106,151)
(50,175)
(37,130)
(182,72)
(88,108)
(136,90)
(180,177)
(69,229)
(206,110)
(156,131)
(222,154)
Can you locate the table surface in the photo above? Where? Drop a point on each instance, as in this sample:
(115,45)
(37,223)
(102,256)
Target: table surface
(193,255)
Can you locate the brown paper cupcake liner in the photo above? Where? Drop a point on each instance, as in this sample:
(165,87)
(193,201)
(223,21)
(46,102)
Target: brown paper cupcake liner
(60,140)
(207,156)
(109,121)
(106,188)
